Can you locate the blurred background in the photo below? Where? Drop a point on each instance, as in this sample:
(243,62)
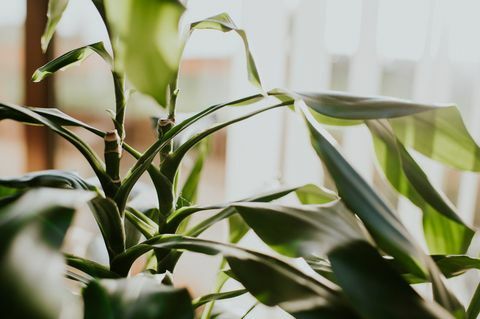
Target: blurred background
(425,50)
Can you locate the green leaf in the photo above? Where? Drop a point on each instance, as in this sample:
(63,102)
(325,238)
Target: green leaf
(54,14)
(152,68)
(188,194)
(441,135)
(340,105)
(171,167)
(89,267)
(110,222)
(474,306)
(224,23)
(141,222)
(90,155)
(52,114)
(311,194)
(142,296)
(32,229)
(71,58)
(380,220)
(271,280)
(200,301)
(48,178)
(444,230)
(301,231)
(375,289)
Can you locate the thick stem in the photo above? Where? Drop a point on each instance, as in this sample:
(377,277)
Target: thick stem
(120,103)
(113,153)
(166,191)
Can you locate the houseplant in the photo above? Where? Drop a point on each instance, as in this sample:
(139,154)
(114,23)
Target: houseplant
(365,259)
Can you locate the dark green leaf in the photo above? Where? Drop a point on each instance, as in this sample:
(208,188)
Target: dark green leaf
(375,289)
(474,306)
(444,230)
(271,280)
(32,229)
(110,222)
(49,178)
(141,222)
(89,267)
(222,22)
(54,115)
(92,158)
(384,226)
(142,296)
(301,231)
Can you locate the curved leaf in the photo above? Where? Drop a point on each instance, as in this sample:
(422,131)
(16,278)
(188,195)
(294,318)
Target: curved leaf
(110,222)
(380,220)
(275,282)
(92,158)
(32,229)
(224,23)
(54,14)
(340,105)
(142,296)
(441,135)
(444,230)
(89,267)
(301,231)
(53,114)
(48,178)
(375,289)
(69,59)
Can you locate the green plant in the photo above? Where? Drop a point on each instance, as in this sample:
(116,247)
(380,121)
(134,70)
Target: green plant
(365,258)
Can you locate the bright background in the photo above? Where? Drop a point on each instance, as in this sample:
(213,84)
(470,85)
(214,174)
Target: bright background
(425,50)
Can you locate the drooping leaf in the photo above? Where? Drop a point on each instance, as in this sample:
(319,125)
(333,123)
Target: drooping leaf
(69,59)
(298,231)
(90,155)
(110,222)
(89,267)
(48,178)
(224,23)
(152,68)
(53,114)
(444,230)
(32,229)
(340,105)
(271,280)
(375,289)
(384,226)
(142,296)
(54,14)
(441,135)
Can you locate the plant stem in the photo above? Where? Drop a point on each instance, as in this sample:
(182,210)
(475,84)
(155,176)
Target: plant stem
(120,103)
(113,153)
